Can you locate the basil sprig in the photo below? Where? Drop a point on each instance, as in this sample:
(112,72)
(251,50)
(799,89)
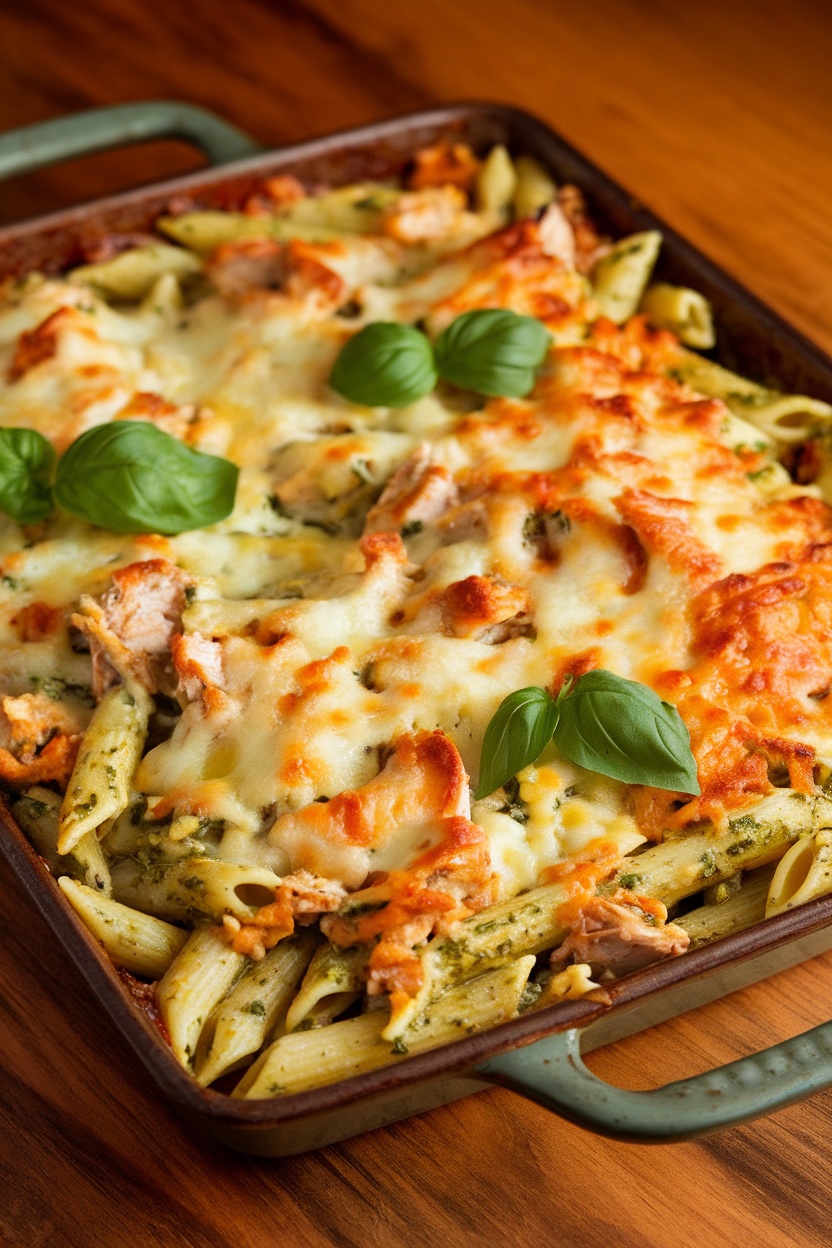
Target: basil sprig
(384,365)
(521,729)
(602,722)
(490,350)
(130,477)
(27,460)
(127,476)
(493,351)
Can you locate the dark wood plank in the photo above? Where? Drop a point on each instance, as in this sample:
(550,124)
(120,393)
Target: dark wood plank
(718,116)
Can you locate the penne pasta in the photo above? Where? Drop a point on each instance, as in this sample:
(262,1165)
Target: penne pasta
(254,1010)
(197,979)
(195,888)
(496,184)
(140,943)
(38,813)
(535,188)
(683,311)
(133,273)
(355,209)
(740,910)
(307,1059)
(670,871)
(783,417)
(620,277)
(333,979)
(99,786)
(803,873)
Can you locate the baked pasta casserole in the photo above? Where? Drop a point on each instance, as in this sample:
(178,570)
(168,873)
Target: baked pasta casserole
(405,621)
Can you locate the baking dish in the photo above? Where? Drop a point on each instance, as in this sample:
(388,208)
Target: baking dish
(756,343)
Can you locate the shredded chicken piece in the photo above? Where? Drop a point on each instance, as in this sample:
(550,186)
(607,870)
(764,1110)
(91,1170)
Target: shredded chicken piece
(481,608)
(590,246)
(425,215)
(131,629)
(246,264)
(616,936)
(310,279)
(557,237)
(198,661)
(418,492)
(39,739)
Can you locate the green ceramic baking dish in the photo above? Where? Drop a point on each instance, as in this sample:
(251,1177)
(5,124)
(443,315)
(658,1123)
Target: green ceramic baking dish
(538,1053)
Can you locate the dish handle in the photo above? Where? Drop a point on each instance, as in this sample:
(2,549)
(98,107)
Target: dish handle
(98,129)
(552,1073)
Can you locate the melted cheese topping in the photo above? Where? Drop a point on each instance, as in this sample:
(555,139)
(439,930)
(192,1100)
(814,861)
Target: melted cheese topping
(388,576)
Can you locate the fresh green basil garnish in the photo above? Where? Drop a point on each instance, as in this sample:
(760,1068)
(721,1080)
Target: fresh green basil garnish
(623,729)
(27,460)
(492,351)
(384,365)
(130,477)
(603,722)
(519,731)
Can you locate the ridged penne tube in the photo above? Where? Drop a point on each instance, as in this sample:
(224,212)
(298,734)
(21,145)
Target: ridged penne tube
(739,434)
(205,231)
(195,888)
(680,867)
(684,311)
(535,188)
(527,924)
(782,417)
(804,872)
(164,296)
(306,1059)
(714,380)
(744,908)
(38,813)
(138,942)
(131,274)
(254,1008)
(620,277)
(332,972)
(355,209)
(786,417)
(197,979)
(99,786)
(496,183)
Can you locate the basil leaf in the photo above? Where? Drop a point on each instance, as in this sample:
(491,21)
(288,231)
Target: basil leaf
(519,730)
(384,365)
(26,462)
(130,477)
(623,729)
(492,351)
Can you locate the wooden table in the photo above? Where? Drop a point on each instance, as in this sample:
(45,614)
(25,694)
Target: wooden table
(719,116)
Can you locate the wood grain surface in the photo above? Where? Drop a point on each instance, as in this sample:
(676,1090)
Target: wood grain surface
(718,115)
